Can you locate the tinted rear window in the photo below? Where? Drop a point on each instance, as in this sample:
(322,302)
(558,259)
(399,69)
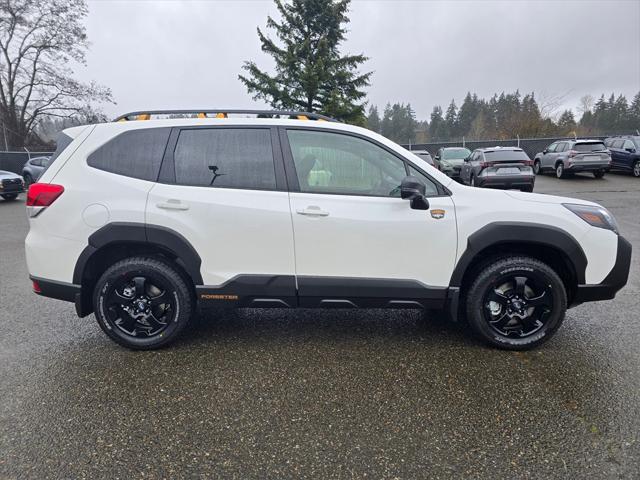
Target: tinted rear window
(134,153)
(506,155)
(589,147)
(225,158)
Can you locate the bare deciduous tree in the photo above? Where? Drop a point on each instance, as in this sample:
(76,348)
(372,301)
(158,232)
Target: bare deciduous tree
(40,40)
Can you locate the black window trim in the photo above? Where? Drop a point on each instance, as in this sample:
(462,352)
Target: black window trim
(168,172)
(292,177)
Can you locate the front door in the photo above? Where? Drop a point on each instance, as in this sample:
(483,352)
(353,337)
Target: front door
(357,242)
(223,189)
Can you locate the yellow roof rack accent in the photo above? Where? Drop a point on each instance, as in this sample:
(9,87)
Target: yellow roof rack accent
(224,113)
(302,117)
(144,116)
(202,115)
(221,115)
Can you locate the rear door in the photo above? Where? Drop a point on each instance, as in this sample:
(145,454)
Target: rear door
(223,189)
(616,154)
(548,158)
(357,242)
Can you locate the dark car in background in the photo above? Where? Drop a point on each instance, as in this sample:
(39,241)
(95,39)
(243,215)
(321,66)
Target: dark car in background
(11,185)
(424,155)
(625,153)
(565,157)
(449,160)
(34,168)
(499,167)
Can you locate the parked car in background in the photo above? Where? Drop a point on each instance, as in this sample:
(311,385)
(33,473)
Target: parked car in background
(34,168)
(571,156)
(449,160)
(424,155)
(499,167)
(625,153)
(11,185)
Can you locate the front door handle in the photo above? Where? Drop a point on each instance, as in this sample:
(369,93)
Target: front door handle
(173,204)
(312,211)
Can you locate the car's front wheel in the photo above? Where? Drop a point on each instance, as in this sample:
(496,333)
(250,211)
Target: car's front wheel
(537,169)
(598,173)
(142,303)
(28,179)
(636,169)
(516,303)
(9,196)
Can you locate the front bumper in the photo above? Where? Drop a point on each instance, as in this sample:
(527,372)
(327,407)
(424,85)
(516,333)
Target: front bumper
(616,279)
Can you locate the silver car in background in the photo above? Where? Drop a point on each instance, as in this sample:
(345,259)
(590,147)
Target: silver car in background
(565,157)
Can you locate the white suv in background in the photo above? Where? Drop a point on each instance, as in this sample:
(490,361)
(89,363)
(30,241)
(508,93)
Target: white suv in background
(141,222)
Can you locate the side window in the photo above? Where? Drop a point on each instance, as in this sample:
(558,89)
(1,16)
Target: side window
(617,143)
(431,189)
(561,147)
(628,144)
(134,153)
(329,162)
(225,158)
(552,148)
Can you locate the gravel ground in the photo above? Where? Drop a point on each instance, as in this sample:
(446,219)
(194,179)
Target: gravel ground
(320,394)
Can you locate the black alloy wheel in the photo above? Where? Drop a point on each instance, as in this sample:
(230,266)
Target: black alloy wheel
(142,303)
(516,302)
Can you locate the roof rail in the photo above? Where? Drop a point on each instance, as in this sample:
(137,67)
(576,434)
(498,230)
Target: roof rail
(223,113)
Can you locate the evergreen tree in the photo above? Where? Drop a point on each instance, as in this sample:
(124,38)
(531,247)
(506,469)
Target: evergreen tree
(437,125)
(310,72)
(451,120)
(373,119)
(399,123)
(566,123)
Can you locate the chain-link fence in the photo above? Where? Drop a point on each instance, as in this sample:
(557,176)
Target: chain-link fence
(14,161)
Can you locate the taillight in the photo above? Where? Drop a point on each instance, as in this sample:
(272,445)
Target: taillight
(36,286)
(528,163)
(41,196)
(573,153)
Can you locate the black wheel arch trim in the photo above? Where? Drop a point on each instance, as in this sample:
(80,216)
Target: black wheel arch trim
(139,233)
(497,233)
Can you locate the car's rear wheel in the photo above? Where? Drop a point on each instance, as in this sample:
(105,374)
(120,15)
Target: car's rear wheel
(527,189)
(473,182)
(142,303)
(560,170)
(537,169)
(9,196)
(598,173)
(516,303)
(636,169)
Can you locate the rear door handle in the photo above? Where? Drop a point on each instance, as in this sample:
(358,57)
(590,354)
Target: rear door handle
(312,211)
(173,204)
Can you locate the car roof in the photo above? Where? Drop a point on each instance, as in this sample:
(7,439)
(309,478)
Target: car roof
(420,152)
(499,148)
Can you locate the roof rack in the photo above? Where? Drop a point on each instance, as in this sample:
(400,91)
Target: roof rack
(224,113)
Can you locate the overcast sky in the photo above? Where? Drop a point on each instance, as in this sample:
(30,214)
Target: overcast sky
(187,54)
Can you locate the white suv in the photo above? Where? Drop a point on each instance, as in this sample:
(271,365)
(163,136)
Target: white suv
(142,222)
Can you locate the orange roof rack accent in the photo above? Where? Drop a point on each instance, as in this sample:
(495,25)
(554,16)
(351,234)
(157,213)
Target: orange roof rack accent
(224,113)
(221,115)
(202,115)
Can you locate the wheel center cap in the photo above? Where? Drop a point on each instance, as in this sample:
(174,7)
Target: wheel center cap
(141,305)
(517,304)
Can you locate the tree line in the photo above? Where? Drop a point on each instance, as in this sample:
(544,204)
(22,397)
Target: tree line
(506,116)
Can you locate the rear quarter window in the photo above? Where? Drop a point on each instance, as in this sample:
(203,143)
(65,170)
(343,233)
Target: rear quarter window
(134,153)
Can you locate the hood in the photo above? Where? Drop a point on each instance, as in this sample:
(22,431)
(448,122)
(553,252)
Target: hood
(5,174)
(543,198)
(452,162)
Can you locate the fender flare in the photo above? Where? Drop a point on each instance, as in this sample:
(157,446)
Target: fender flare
(498,233)
(165,238)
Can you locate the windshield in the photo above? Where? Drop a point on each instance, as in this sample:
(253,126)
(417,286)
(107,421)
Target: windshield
(506,155)
(455,153)
(589,147)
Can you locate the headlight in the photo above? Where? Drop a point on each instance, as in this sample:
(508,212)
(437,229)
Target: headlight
(594,216)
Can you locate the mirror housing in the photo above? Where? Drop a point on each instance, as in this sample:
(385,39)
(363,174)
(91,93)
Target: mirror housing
(630,150)
(414,190)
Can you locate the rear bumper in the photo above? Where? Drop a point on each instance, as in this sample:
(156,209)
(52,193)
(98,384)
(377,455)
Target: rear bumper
(587,167)
(58,290)
(616,279)
(506,181)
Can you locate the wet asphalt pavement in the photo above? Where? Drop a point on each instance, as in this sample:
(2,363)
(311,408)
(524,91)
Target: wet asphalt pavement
(320,394)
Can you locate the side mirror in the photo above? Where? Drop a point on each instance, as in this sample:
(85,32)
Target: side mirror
(414,190)
(630,150)
(545,151)
(467,159)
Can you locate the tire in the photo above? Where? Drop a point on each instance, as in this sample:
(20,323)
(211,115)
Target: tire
(527,189)
(472,181)
(560,170)
(9,196)
(636,169)
(152,289)
(28,180)
(516,303)
(599,173)
(537,168)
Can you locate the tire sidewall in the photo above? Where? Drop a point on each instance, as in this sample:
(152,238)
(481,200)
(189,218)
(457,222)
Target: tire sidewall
(559,170)
(487,277)
(153,270)
(636,169)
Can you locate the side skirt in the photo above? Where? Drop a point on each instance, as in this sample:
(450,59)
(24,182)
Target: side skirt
(279,291)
